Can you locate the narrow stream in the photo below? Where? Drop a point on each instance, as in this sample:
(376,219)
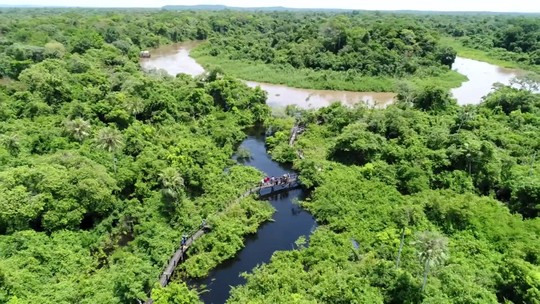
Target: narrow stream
(289,222)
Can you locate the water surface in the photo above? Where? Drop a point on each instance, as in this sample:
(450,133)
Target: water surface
(175,59)
(289,222)
(481,76)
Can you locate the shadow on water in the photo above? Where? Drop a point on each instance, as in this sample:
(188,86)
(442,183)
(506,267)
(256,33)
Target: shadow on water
(289,222)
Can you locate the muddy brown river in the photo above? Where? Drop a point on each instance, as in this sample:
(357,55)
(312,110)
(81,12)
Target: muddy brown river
(175,59)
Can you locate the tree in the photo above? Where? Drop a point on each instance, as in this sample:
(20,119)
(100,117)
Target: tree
(78,128)
(519,281)
(356,145)
(135,107)
(432,251)
(109,139)
(406,216)
(446,56)
(510,99)
(432,98)
(175,293)
(12,144)
(54,49)
(172,183)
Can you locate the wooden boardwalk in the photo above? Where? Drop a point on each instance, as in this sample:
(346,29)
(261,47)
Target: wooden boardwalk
(286,184)
(296,129)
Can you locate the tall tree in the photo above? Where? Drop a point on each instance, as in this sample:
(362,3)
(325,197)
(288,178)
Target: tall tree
(12,144)
(172,183)
(135,107)
(406,216)
(109,139)
(78,128)
(432,249)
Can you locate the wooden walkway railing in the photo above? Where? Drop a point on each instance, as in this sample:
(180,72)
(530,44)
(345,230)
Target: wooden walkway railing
(281,184)
(296,129)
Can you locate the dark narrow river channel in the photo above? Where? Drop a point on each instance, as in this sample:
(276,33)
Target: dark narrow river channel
(289,222)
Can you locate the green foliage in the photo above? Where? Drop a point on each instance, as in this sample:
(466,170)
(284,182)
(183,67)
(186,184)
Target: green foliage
(357,145)
(508,40)
(508,99)
(432,98)
(366,52)
(175,293)
(54,193)
(104,167)
(334,42)
(419,204)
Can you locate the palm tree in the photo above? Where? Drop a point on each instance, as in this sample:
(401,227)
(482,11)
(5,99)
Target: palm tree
(432,249)
(405,216)
(172,183)
(109,139)
(135,107)
(78,128)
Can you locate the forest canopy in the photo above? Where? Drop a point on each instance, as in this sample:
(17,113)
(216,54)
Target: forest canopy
(103,167)
(416,204)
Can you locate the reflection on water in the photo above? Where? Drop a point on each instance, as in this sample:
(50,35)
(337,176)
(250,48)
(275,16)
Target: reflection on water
(481,76)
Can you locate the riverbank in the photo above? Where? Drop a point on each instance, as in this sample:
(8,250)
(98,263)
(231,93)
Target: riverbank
(381,189)
(319,80)
(288,223)
(484,56)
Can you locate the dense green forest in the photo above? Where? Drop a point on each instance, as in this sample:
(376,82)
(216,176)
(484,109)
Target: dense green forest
(423,201)
(363,51)
(356,52)
(103,167)
(512,41)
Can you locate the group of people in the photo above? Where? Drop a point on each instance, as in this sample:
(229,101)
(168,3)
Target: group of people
(275,180)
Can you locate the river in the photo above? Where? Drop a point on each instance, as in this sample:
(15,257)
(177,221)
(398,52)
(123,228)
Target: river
(289,222)
(175,59)
(481,76)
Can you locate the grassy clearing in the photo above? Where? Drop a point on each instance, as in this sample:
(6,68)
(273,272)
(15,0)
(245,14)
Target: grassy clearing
(321,80)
